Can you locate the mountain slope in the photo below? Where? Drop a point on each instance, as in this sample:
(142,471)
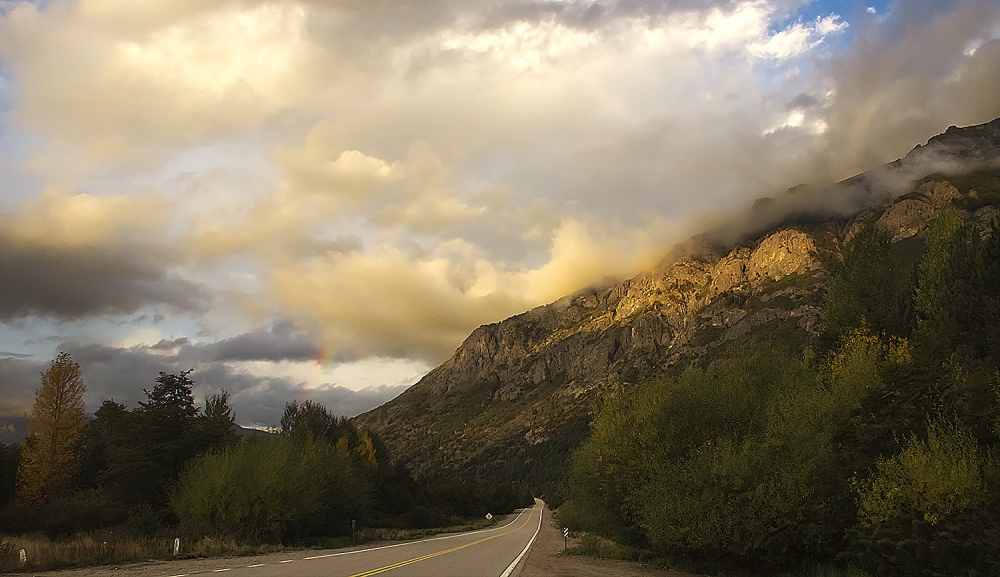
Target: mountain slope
(516,397)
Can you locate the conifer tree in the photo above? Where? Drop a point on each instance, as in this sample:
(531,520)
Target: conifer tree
(861,292)
(55,430)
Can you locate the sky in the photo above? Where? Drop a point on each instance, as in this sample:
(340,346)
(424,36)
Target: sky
(321,199)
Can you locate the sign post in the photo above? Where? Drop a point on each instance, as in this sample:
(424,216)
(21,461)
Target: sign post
(565,537)
(354,527)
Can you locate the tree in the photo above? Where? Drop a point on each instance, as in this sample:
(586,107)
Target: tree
(863,290)
(218,421)
(51,453)
(10,456)
(169,424)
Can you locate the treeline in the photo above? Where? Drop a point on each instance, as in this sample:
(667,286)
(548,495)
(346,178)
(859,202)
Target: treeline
(875,449)
(170,465)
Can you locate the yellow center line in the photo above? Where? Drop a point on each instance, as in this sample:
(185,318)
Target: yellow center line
(430,555)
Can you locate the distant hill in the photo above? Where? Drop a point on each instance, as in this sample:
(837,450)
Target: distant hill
(13,430)
(517,396)
(251,432)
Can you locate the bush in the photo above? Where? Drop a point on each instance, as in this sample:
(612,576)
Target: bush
(271,490)
(737,462)
(926,510)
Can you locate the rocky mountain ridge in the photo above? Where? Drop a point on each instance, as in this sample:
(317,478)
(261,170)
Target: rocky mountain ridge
(516,396)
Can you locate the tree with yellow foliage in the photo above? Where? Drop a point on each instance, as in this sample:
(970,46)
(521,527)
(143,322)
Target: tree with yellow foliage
(55,431)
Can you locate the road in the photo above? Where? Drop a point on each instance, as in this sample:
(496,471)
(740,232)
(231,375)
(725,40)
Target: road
(486,553)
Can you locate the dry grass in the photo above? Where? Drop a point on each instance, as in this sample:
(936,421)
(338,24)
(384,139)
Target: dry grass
(109,548)
(368,535)
(112,548)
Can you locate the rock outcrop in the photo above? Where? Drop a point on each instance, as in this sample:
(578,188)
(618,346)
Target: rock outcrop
(514,386)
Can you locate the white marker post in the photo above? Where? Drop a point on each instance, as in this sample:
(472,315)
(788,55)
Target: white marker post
(22,556)
(177,546)
(565,538)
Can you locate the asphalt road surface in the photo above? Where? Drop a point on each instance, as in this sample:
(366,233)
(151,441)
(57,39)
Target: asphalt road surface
(488,553)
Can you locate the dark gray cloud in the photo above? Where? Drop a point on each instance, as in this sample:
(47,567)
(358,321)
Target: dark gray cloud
(280,343)
(75,282)
(19,378)
(123,373)
(803,101)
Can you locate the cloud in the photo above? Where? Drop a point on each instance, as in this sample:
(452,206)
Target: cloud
(907,78)
(133,89)
(275,345)
(396,305)
(18,380)
(798,38)
(72,256)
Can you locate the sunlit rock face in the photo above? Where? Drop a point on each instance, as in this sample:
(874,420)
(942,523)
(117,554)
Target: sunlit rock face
(910,215)
(512,387)
(517,395)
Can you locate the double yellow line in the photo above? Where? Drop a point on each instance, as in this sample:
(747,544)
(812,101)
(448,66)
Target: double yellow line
(431,555)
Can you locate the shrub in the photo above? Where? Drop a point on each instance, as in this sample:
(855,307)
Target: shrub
(926,510)
(271,490)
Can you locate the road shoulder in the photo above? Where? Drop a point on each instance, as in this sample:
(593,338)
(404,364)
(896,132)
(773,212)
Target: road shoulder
(546,559)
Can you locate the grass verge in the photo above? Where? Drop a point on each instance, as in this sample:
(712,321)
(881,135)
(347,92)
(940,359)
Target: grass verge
(115,548)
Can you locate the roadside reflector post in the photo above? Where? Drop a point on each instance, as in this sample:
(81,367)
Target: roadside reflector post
(22,556)
(565,538)
(354,528)
(177,546)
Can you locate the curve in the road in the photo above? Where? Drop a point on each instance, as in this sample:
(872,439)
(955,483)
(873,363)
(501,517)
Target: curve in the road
(425,556)
(435,554)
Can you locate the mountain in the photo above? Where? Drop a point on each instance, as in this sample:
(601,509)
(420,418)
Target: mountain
(517,396)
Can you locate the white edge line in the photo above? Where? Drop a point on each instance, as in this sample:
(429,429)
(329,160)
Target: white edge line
(415,542)
(510,568)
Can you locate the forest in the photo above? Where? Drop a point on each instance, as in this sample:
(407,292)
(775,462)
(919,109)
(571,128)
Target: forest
(169,468)
(874,451)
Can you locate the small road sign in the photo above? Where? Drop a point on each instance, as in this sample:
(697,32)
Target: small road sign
(489,516)
(565,531)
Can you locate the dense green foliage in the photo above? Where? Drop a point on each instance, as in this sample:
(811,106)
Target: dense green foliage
(272,490)
(169,464)
(868,287)
(131,461)
(320,474)
(878,447)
